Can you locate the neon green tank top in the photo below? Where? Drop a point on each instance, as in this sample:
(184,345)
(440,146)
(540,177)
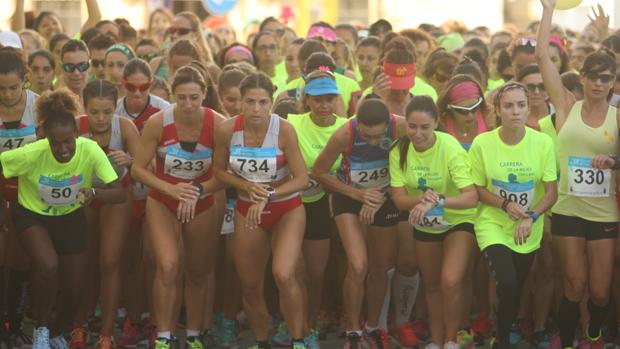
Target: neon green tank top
(312,139)
(585,192)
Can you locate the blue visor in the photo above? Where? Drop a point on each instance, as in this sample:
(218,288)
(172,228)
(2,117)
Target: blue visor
(321,86)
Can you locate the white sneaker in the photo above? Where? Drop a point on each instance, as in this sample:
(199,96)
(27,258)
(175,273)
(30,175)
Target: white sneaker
(451,345)
(41,338)
(59,342)
(432,345)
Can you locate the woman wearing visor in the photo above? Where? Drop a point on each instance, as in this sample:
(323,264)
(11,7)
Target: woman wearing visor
(314,128)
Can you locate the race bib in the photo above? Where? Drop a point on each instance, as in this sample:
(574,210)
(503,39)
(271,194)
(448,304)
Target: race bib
(187,165)
(228,225)
(60,192)
(314,188)
(583,180)
(434,219)
(373,174)
(16,137)
(520,193)
(254,164)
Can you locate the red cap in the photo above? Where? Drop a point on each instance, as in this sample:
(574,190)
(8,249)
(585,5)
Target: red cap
(401,75)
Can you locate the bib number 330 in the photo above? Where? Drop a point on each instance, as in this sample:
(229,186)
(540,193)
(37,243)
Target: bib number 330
(583,180)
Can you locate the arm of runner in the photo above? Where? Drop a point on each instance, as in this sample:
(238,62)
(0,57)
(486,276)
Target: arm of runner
(468,198)
(213,184)
(561,98)
(18,20)
(94,15)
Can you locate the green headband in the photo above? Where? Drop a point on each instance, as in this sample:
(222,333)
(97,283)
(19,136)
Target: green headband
(120,48)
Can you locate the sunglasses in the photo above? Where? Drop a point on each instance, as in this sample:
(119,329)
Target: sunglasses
(533,87)
(525,42)
(133,87)
(97,62)
(464,110)
(180,31)
(148,57)
(605,78)
(70,67)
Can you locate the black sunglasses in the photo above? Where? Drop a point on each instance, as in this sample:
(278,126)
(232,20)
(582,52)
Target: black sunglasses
(70,67)
(532,87)
(97,62)
(605,78)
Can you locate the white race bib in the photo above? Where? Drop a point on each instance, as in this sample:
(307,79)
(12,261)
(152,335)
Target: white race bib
(373,174)
(60,192)
(520,193)
(187,165)
(229,216)
(254,164)
(434,219)
(583,180)
(16,137)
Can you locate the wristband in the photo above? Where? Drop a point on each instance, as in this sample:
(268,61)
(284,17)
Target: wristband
(505,204)
(272,193)
(616,164)
(533,215)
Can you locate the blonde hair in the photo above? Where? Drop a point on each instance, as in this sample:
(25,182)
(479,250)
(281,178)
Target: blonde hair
(200,42)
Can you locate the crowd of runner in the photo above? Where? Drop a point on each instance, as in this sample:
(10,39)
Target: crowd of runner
(429,187)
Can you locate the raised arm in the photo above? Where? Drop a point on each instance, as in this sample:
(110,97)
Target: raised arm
(18,20)
(561,98)
(94,15)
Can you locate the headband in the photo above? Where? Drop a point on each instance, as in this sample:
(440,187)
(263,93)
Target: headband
(120,48)
(464,91)
(323,32)
(238,48)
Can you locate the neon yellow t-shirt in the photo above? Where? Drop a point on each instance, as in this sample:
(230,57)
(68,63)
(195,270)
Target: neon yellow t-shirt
(444,168)
(494,84)
(281,70)
(516,172)
(547,127)
(346,86)
(312,139)
(51,188)
(420,88)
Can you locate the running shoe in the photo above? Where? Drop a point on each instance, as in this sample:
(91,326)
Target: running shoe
(163,343)
(105,342)
(465,340)
(377,339)
(540,339)
(481,326)
(312,340)
(216,328)
(353,341)
(526,328)
(493,343)
(79,338)
(515,335)
(298,345)
(451,345)
(228,334)
(194,342)
(148,333)
(18,339)
(432,346)
(281,338)
(58,342)
(421,329)
(129,335)
(41,338)
(596,343)
(407,336)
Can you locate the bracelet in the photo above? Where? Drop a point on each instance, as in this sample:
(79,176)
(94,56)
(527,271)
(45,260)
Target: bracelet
(533,215)
(93,192)
(616,164)
(505,204)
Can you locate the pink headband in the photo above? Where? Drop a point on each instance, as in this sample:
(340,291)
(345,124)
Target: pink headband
(324,32)
(239,49)
(464,91)
(556,40)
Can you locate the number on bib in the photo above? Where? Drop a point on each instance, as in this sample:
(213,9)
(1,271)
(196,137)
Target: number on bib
(434,220)
(314,188)
(229,216)
(187,165)
(520,193)
(374,174)
(254,164)
(583,180)
(62,192)
(16,137)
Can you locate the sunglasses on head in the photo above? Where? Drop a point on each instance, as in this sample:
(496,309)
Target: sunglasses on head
(464,110)
(532,87)
(70,67)
(525,42)
(97,62)
(605,78)
(133,87)
(180,31)
(148,57)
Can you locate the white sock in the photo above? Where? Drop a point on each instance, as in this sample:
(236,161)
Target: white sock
(383,316)
(164,334)
(405,293)
(192,333)
(144,316)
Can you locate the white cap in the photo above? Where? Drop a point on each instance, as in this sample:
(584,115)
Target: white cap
(10,39)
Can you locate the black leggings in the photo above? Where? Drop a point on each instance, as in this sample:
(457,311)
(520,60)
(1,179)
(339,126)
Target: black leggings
(510,270)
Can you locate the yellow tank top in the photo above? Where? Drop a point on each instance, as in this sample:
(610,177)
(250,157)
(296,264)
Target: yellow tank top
(586,192)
